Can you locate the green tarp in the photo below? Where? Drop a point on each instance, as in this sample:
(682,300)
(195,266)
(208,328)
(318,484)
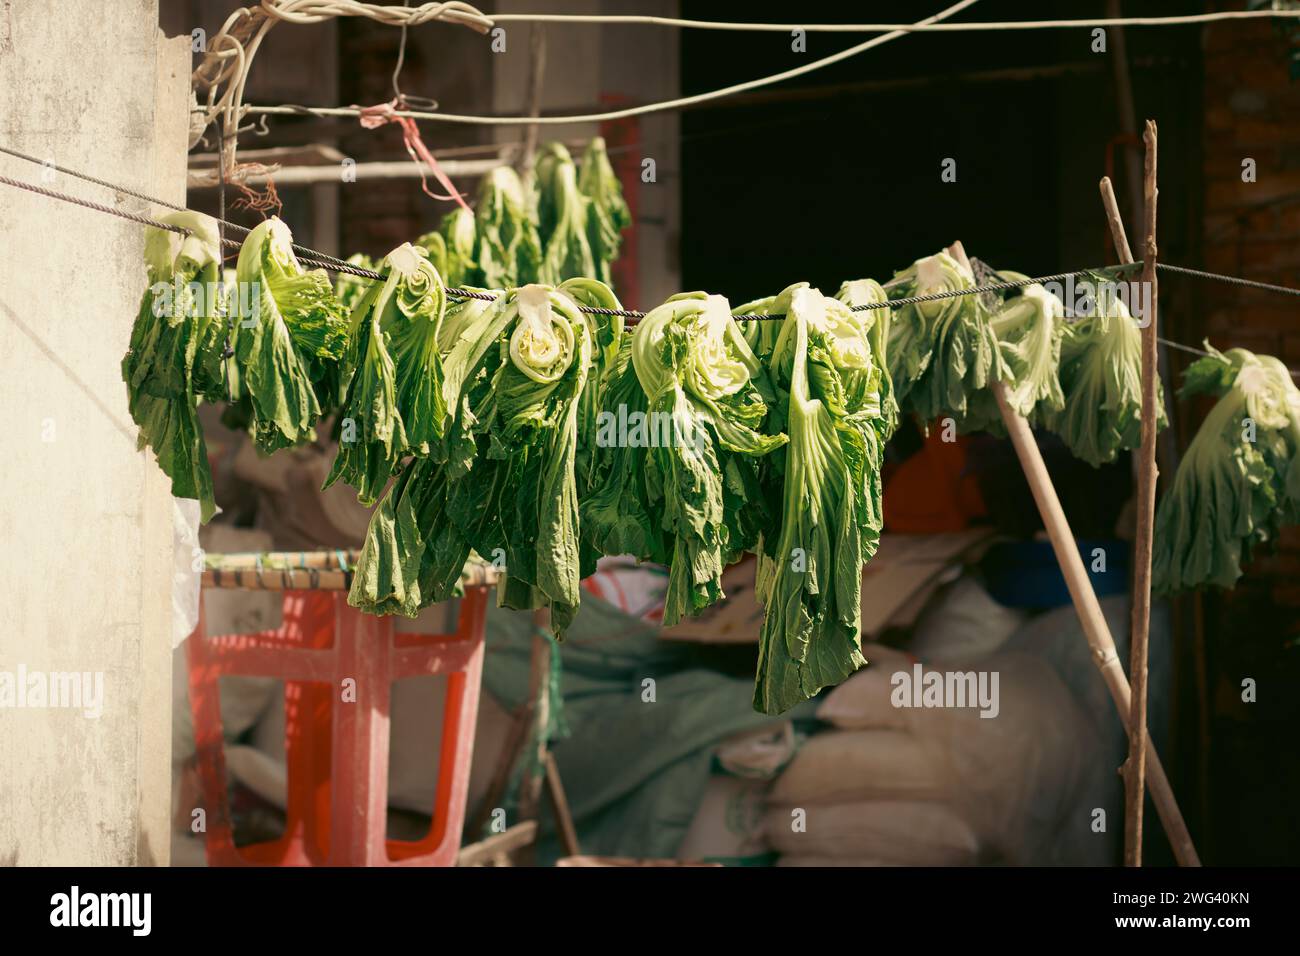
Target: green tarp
(634,769)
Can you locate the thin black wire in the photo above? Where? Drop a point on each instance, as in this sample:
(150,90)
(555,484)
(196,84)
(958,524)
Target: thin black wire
(98,207)
(312,257)
(91,179)
(322,260)
(335,264)
(1231,280)
(319,259)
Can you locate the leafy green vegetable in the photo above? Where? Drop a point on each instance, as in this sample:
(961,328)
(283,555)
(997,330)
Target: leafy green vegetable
(562,217)
(350,289)
(680,437)
(1029,326)
(1239,481)
(535,438)
(943,351)
(874,323)
(174,357)
(607,339)
(607,212)
(509,249)
(828,483)
(291,343)
(460,247)
(759,334)
(414,551)
(1101,380)
(563,224)
(394,405)
(502,481)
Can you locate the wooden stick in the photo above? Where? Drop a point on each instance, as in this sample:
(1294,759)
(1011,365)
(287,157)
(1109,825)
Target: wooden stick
(498,845)
(539,680)
(560,804)
(1091,617)
(511,751)
(1095,628)
(1135,767)
(1116,222)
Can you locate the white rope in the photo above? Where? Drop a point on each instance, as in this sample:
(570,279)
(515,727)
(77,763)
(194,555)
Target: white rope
(226,66)
(885,27)
(224,70)
(316,11)
(631,110)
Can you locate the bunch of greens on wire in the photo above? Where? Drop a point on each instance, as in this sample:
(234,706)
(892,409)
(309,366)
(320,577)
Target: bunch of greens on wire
(532,441)
(607,339)
(869,305)
(1101,381)
(607,212)
(509,250)
(414,552)
(760,334)
(562,211)
(679,442)
(394,404)
(289,336)
(1238,483)
(826,484)
(1028,325)
(564,223)
(943,351)
(174,359)
(502,480)
(456,245)
(350,289)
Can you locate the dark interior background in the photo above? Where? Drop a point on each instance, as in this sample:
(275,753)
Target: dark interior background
(836,175)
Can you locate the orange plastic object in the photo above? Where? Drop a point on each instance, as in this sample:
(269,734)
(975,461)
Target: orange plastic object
(932,492)
(338,666)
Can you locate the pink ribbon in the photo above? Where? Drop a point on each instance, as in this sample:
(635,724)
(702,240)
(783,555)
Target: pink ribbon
(373,117)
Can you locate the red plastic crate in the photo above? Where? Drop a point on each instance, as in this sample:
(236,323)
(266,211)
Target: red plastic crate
(337,751)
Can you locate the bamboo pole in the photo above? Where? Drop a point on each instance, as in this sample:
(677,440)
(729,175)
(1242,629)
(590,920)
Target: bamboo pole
(539,680)
(560,803)
(1091,617)
(1095,629)
(1135,766)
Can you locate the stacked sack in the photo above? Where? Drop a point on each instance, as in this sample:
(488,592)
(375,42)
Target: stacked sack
(910,786)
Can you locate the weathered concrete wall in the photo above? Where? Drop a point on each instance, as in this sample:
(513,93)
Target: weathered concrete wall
(85,519)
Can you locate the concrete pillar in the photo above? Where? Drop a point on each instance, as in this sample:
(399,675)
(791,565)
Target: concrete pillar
(85,519)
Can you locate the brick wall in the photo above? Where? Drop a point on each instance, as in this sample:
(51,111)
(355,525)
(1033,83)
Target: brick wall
(1251,230)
